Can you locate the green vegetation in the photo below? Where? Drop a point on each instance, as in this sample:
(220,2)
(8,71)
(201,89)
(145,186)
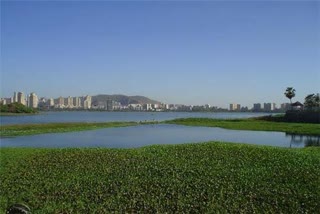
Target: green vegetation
(256,124)
(16,114)
(32,129)
(312,102)
(16,108)
(196,178)
(290,93)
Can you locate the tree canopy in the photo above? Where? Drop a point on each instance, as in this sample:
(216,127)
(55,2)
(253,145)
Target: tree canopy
(16,108)
(290,93)
(312,102)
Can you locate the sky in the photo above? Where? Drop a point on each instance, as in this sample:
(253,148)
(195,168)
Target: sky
(183,52)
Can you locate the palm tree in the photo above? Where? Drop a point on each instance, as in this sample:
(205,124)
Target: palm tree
(290,93)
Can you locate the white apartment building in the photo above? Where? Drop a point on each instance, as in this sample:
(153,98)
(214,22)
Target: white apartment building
(69,102)
(235,107)
(60,102)
(76,102)
(6,101)
(15,97)
(33,100)
(148,107)
(21,98)
(51,102)
(87,102)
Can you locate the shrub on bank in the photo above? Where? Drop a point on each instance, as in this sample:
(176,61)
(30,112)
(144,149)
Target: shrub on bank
(302,116)
(16,108)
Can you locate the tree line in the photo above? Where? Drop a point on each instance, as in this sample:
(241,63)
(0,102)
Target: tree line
(311,101)
(16,108)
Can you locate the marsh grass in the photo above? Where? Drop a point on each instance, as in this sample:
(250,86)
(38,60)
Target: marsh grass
(208,177)
(251,124)
(237,124)
(33,129)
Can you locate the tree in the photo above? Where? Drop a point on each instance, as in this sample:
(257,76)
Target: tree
(16,108)
(312,101)
(290,93)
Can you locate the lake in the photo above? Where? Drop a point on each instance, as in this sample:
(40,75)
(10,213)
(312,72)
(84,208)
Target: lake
(87,116)
(145,135)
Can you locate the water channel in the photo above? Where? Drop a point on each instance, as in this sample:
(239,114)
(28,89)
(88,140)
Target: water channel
(103,116)
(145,135)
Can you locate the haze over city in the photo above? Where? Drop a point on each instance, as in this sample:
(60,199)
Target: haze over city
(175,52)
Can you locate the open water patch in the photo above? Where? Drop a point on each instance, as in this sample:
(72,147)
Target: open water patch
(144,135)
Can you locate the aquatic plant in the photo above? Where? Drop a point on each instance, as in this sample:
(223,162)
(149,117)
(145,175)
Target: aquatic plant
(198,178)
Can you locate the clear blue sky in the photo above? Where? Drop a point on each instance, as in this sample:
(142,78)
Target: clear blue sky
(174,51)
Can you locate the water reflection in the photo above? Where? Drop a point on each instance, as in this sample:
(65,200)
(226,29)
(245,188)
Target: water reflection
(145,135)
(308,140)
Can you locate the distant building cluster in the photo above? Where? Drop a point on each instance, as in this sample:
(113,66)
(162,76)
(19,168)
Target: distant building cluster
(86,102)
(33,101)
(83,102)
(111,105)
(30,100)
(258,107)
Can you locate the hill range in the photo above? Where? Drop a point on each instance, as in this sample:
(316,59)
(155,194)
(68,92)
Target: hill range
(123,99)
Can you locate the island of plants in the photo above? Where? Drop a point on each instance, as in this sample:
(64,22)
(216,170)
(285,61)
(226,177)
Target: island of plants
(33,129)
(255,124)
(190,178)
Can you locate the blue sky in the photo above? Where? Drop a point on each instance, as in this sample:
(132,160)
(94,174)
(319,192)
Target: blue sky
(174,51)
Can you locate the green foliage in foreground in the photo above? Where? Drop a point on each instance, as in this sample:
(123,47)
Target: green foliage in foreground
(252,124)
(32,129)
(196,178)
(16,108)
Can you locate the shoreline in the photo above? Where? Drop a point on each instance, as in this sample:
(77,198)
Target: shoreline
(18,114)
(251,124)
(34,129)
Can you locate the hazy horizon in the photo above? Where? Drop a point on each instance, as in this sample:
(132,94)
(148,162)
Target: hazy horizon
(174,51)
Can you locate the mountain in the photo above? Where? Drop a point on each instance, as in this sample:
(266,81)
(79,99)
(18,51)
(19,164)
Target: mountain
(123,99)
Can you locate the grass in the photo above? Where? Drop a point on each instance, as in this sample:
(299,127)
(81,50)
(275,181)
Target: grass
(189,178)
(17,114)
(251,124)
(33,129)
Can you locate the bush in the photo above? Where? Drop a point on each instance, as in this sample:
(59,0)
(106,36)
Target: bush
(16,108)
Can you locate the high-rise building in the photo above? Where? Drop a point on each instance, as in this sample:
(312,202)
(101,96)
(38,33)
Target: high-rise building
(15,97)
(21,98)
(87,102)
(148,107)
(6,101)
(33,100)
(256,107)
(69,102)
(269,106)
(51,102)
(61,102)
(238,107)
(235,107)
(76,102)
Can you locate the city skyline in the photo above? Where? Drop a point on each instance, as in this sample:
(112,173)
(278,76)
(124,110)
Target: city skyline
(214,53)
(84,101)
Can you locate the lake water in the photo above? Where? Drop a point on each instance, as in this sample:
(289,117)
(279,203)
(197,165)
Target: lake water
(86,116)
(145,135)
